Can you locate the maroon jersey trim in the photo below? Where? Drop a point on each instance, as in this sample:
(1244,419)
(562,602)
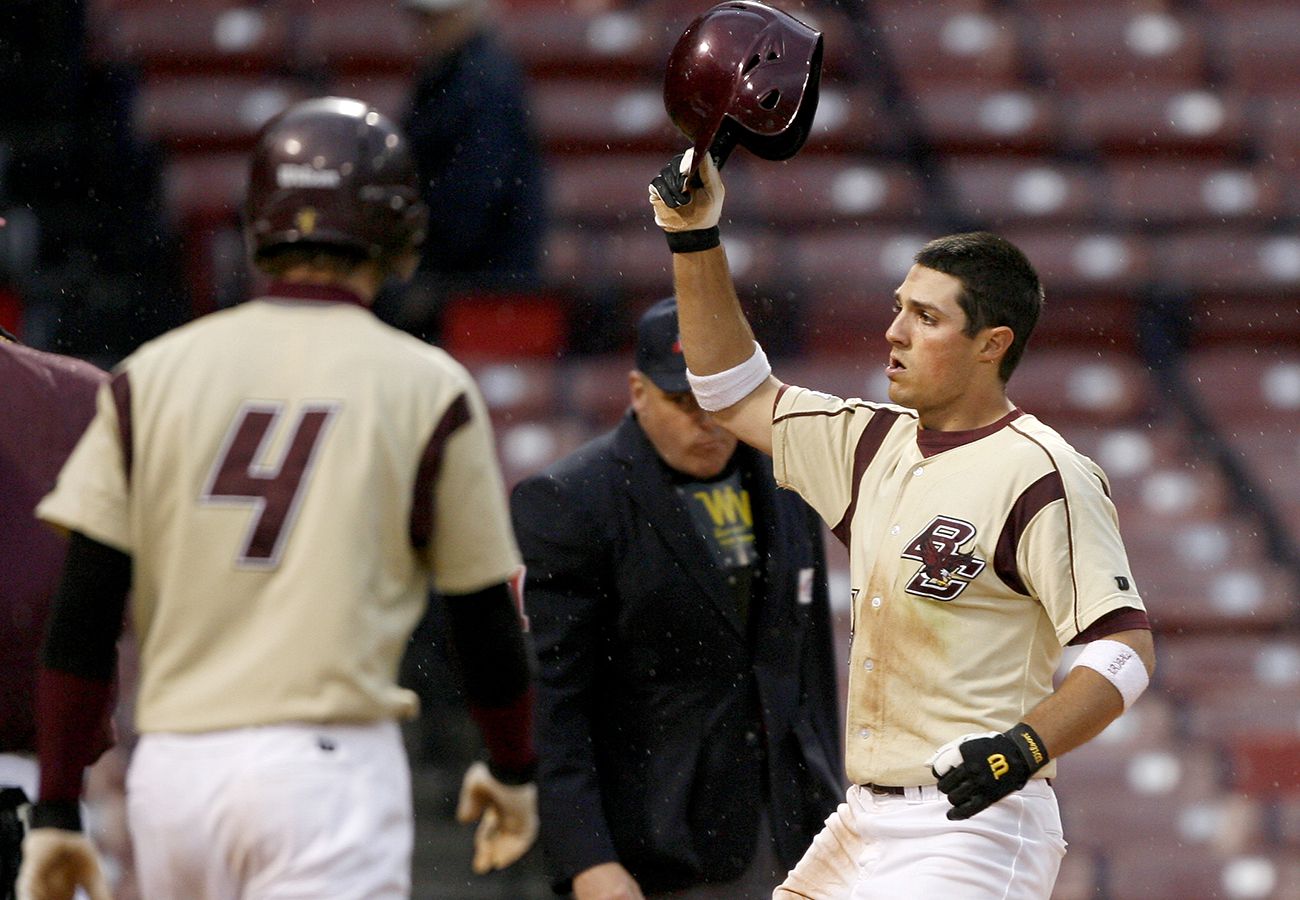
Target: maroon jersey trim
(868,446)
(421,527)
(1126,619)
(1045,490)
(935,442)
(296,290)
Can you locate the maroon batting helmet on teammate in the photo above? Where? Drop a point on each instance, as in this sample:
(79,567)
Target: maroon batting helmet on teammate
(334,172)
(744,73)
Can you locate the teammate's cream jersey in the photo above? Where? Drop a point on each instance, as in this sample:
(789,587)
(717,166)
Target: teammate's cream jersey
(974,557)
(289,477)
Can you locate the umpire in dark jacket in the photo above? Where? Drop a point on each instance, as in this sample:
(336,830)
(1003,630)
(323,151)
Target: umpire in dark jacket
(686,708)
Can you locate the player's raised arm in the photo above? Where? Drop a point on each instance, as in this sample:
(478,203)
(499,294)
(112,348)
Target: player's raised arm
(729,372)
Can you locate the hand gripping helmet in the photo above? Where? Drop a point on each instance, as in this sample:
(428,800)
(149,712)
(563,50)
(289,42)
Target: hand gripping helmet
(333,172)
(744,73)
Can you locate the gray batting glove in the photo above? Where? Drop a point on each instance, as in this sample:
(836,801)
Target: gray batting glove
(507,817)
(682,207)
(56,862)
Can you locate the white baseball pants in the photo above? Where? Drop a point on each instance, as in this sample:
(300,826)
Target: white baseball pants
(885,846)
(281,812)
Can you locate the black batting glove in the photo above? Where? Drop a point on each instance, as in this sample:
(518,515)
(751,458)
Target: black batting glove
(977,770)
(670,184)
(688,214)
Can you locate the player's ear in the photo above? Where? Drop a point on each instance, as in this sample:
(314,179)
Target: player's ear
(995,342)
(636,389)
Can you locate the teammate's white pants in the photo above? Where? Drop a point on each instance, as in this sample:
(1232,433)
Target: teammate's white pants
(884,846)
(283,811)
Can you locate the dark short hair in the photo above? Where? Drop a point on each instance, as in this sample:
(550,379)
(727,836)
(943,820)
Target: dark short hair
(999,286)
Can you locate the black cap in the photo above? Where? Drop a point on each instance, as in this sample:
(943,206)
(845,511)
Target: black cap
(659,348)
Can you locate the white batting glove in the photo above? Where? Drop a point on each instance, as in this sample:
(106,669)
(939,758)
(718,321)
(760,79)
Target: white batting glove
(948,757)
(507,817)
(682,207)
(56,862)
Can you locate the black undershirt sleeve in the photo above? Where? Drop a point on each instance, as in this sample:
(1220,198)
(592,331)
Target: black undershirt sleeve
(487,643)
(88,613)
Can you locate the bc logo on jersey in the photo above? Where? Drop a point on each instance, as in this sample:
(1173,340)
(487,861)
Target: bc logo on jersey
(945,570)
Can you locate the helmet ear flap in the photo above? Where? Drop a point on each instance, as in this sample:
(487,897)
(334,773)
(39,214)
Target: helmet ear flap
(790,140)
(744,73)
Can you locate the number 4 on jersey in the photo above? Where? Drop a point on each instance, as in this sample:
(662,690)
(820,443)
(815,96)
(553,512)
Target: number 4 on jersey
(273,488)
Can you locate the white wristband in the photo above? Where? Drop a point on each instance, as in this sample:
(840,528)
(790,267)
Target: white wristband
(723,389)
(1119,664)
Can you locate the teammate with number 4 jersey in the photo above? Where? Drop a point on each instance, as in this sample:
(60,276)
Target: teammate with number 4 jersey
(279,484)
(980,544)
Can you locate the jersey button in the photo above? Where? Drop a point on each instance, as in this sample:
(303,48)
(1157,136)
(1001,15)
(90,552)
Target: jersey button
(875,602)
(895,530)
(864,733)
(918,472)
(868,664)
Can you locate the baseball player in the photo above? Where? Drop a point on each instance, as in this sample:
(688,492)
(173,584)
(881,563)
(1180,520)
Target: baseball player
(48,399)
(278,484)
(980,544)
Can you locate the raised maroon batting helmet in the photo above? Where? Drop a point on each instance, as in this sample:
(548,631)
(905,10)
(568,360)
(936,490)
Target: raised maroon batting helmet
(744,73)
(337,173)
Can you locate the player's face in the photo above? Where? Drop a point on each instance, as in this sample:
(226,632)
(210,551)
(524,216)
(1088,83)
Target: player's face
(932,362)
(685,436)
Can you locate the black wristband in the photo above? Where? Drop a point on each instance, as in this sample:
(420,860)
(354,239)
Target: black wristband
(65,814)
(1030,745)
(513,776)
(693,241)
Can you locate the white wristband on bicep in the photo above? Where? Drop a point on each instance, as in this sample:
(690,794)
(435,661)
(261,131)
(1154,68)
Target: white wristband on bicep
(723,389)
(1119,664)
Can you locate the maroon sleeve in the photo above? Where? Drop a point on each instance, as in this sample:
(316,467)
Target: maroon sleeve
(1115,621)
(508,736)
(71,729)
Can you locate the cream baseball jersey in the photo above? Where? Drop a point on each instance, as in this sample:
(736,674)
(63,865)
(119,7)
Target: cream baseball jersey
(974,558)
(289,477)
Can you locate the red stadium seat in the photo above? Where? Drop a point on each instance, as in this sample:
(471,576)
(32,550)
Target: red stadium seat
(1082,387)
(524,447)
(1249,385)
(1278,121)
(211,36)
(599,116)
(1247,595)
(518,389)
(994,193)
(1230,664)
(1161,785)
(1075,264)
(357,37)
(1127,119)
(964,119)
(1155,192)
(199,113)
(203,188)
(597,387)
(828,190)
(1164,869)
(1261,46)
(606,188)
(951,44)
(1243,263)
(563,40)
(1105,44)
(1226,715)
(485,325)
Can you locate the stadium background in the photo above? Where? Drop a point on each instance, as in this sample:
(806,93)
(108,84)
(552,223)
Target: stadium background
(1143,153)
